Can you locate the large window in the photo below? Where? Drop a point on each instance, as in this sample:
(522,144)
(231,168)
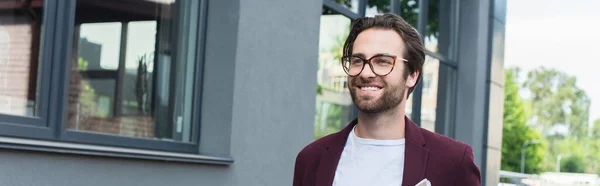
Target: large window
(133,74)
(117,73)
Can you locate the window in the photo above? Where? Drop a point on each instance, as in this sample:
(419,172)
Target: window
(409,10)
(132,72)
(377,7)
(334,106)
(433,26)
(129,76)
(20,32)
(430,89)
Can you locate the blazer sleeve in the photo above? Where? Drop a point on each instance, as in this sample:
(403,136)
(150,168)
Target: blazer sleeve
(298,170)
(468,174)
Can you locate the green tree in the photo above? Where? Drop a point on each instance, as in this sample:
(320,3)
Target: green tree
(573,164)
(515,131)
(596,129)
(87,95)
(328,119)
(556,100)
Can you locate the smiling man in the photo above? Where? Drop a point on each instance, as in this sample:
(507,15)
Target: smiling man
(383,58)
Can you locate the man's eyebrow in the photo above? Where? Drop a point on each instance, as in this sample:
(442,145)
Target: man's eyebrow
(358,55)
(363,55)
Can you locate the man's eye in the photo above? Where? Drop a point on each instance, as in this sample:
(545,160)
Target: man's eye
(383,61)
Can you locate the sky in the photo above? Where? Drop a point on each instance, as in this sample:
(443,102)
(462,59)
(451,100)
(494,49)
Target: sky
(559,34)
(140,41)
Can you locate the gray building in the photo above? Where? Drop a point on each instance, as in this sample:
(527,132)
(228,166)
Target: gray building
(182,92)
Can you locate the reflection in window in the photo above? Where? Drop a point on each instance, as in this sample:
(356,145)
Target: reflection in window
(427,78)
(334,104)
(409,106)
(350,4)
(409,10)
(377,7)
(433,26)
(133,71)
(429,98)
(20,30)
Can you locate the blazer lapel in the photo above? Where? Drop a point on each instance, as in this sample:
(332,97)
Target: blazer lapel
(415,155)
(331,156)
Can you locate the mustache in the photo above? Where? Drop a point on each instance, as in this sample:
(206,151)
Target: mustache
(358,81)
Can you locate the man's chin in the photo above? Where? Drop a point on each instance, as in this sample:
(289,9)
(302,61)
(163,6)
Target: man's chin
(370,106)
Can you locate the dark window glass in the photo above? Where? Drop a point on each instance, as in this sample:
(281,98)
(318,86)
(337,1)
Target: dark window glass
(133,72)
(433,26)
(409,10)
(377,7)
(350,4)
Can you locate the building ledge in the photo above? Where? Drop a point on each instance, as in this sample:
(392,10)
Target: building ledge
(104,151)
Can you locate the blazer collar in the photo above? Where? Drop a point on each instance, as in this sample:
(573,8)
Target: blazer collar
(415,156)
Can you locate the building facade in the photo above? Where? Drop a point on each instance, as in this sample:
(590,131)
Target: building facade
(182,92)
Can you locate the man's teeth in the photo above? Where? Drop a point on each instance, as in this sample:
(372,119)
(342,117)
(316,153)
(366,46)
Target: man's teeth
(369,88)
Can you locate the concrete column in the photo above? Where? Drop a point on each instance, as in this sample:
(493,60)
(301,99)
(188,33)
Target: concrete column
(480,91)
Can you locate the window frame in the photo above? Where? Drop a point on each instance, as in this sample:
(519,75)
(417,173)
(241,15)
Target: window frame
(37,126)
(48,132)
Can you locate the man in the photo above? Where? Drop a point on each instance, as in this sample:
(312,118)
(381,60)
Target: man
(383,58)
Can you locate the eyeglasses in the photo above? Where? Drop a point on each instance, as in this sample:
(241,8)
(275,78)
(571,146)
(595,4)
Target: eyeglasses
(380,64)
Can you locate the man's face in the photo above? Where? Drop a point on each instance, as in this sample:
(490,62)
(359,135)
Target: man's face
(372,93)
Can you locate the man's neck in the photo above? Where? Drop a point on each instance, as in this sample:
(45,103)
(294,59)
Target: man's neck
(386,125)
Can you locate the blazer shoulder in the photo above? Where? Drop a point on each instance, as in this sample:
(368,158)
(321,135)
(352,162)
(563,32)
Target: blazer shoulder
(314,149)
(444,144)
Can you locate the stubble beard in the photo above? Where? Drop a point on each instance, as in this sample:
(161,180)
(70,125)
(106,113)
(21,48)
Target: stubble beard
(392,97)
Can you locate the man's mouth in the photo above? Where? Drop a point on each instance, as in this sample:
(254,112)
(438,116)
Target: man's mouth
(370,88)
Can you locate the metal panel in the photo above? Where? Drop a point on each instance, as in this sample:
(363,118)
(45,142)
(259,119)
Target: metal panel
(199,69)
(362,8)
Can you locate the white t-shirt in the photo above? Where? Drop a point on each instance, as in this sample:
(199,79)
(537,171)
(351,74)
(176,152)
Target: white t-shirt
(370,162)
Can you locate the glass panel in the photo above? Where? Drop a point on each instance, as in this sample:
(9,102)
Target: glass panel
(115,87)
(429,99)
(433,26)
(377,7)
(352,5)
(335,108)
(409,106)
(100,45)
(20,32)
(409,10)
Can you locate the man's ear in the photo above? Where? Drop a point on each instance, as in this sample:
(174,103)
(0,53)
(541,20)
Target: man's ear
(411,81)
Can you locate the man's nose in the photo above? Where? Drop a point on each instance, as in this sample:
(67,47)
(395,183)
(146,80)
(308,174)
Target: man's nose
(367,72)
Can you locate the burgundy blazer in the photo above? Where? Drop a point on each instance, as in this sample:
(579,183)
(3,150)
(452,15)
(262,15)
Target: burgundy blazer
(442,160)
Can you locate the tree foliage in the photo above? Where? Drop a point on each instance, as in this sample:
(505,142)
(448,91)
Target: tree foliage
(596,129)
(515,131)
(572,164)
(556,100)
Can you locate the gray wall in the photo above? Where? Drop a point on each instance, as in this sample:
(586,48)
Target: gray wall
(258,107)
(480,91)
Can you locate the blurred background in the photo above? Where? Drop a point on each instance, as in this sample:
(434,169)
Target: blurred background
(206,92)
